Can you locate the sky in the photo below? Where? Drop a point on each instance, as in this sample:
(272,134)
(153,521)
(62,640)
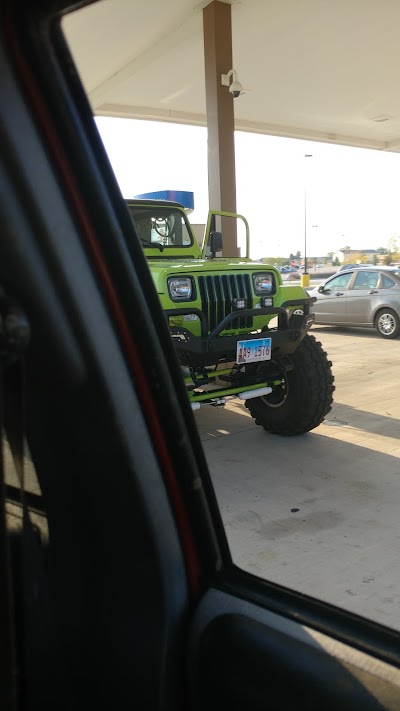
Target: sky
(349,195)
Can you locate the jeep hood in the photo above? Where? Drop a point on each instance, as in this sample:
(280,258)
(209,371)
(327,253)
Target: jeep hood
(161,269)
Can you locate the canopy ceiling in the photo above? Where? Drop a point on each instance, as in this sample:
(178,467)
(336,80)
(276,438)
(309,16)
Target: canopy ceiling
(314,69)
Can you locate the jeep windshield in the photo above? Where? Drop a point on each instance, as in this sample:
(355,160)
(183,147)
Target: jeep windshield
(160,227)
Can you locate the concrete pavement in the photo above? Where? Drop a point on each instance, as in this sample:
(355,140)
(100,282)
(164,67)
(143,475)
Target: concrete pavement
(320,512)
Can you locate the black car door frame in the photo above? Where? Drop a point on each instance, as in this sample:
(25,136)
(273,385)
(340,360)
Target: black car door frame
(150,609)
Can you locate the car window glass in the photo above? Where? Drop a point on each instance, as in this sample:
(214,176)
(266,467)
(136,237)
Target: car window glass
(316,513)
(166,228)
(32,492)
(366,280)
(387,282)
(339,282)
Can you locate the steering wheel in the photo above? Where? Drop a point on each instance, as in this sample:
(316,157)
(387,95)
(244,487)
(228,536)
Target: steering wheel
(165,230)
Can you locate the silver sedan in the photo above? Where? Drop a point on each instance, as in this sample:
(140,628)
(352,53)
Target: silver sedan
(367,297)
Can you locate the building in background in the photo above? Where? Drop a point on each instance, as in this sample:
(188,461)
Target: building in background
(356,256)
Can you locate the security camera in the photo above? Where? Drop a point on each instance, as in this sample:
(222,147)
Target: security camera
(235,88)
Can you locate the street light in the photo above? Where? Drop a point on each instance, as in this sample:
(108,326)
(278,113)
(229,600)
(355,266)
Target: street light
(305,277)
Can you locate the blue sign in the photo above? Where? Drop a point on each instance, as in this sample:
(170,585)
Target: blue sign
(184,197)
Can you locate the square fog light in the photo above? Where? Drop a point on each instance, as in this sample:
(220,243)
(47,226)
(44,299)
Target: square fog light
(239,303)
(265,301)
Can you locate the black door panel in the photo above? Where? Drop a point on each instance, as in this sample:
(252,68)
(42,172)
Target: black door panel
(246,657)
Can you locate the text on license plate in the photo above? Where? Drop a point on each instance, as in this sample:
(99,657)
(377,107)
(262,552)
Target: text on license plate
(253,350)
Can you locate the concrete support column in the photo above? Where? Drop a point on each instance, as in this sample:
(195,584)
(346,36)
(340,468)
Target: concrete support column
(220,118)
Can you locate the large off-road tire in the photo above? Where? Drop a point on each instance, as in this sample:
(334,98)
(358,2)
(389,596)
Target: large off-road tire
(303,399)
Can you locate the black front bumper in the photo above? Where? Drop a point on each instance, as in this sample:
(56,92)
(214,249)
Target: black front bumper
(211,348)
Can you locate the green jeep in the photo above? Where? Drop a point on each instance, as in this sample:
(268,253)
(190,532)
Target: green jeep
(238,331)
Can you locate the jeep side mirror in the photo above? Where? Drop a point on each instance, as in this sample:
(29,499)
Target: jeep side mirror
(215,243)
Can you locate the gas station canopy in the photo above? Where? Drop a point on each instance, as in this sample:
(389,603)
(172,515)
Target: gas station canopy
(314,69)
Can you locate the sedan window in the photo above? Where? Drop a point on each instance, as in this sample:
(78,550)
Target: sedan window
(387,283)
(339,282)
(366,280)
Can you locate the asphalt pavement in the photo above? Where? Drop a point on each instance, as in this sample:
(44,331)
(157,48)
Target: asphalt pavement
(320,512)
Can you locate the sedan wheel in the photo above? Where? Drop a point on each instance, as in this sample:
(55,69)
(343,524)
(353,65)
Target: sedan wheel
(387,323)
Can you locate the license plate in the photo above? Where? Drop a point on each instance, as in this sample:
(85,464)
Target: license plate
(253,350)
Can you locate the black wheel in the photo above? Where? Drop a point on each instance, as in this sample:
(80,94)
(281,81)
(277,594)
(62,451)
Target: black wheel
(301,397)
(387,323)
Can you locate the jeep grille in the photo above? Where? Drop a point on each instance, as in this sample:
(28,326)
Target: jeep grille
(217,293)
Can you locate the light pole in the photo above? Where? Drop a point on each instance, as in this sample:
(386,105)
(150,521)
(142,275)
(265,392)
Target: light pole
(305,277)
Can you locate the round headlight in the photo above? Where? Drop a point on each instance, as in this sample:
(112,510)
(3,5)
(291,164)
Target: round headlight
(180,288)
(262,284)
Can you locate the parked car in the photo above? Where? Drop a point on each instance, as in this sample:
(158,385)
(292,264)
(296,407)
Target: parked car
(346,267)
(366,297)
(301,268)
(287,270)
